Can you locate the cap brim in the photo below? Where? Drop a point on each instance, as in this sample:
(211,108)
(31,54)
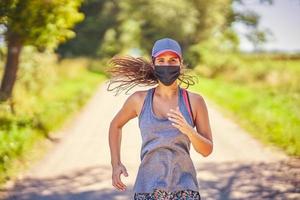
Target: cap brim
(166,50)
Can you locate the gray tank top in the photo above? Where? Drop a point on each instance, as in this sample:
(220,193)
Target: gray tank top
(165,152)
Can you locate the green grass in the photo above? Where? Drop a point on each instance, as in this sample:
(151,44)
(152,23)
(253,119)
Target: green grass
(67,96)
(261,92)
(43,101)
(272,117)
(262,71)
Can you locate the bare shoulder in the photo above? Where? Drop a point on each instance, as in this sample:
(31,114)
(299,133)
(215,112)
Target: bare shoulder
(138,96)
(196,97)
(137,99)
(129,110)
(197,102)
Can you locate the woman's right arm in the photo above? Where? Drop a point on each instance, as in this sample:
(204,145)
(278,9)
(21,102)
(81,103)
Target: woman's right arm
(127,112)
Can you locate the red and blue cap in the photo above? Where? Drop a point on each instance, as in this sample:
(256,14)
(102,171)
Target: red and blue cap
(164,45)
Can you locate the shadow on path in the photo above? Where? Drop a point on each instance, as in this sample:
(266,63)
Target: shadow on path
(253,180)
(221,181)
(81,184)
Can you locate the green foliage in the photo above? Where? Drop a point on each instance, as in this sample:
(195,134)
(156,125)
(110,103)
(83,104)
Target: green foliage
(213,51)
(189,22)
(100,17)
(43,24)
(260,91)
(116,27)
(113,27)
(269,71)
(110,45)
(13,144)
(250,19)
(272,118)
(46,95)
(160,18)
(259,37)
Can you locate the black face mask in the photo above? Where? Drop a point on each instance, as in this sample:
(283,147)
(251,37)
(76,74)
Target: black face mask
(167,74)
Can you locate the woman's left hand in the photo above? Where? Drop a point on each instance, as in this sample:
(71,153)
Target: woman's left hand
(179,121)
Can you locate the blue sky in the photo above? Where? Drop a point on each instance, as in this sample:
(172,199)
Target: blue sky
(282,18)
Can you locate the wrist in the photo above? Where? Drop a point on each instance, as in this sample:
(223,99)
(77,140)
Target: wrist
(115,163)
(191,131)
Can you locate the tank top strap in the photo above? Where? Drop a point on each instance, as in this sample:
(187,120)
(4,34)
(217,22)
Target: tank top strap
(185,105)
(146,104)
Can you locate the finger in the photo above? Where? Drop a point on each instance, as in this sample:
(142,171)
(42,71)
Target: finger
(119,182)
(178,110)
(122,188)
(119,186)
(176,125)
(174,115)
(177,121)
(125,172)
(115,184)
(179,115)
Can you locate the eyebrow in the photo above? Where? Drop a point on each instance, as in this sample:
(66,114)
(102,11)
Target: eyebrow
(170,57)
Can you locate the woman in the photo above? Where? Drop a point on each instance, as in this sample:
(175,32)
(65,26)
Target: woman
(166,122)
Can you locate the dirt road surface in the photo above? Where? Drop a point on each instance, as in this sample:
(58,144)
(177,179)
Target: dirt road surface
(78,166)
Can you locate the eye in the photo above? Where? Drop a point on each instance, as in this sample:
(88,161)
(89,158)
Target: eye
(173,60)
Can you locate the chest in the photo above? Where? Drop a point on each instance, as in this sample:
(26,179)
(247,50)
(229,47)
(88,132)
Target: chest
(161,107)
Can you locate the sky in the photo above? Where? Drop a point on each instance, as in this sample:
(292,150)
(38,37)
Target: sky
(282,18)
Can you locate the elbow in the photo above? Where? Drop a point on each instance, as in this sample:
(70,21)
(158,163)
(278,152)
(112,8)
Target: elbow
(114,129)
(207,151)
(113,124)
(206,154)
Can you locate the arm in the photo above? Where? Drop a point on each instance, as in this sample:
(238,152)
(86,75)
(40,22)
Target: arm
(126,113)
(202,138)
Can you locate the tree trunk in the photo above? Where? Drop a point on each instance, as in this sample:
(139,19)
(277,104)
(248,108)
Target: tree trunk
(11,67)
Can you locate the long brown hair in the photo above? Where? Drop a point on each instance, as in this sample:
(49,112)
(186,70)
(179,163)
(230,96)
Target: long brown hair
(129,71)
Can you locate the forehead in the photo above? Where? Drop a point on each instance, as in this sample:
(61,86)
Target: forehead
(168,54)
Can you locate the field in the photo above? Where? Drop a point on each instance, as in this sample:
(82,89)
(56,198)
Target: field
(260,92)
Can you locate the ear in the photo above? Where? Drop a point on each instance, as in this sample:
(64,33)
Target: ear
(181,63)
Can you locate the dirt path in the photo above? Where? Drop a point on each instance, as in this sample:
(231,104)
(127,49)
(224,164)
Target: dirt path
(78,167)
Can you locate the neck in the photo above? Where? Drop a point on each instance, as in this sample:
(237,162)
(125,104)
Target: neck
(167,91)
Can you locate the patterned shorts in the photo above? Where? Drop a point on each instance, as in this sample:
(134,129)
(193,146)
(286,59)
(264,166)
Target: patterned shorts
(163,195)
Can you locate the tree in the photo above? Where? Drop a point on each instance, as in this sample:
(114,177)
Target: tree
(43,24)
(130,24)
(100,16)
(117,26)
(250,19)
